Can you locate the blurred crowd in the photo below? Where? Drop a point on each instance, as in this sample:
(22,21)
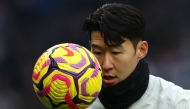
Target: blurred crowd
(29,27)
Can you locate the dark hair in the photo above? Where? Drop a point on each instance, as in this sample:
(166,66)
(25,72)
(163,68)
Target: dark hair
(116,22)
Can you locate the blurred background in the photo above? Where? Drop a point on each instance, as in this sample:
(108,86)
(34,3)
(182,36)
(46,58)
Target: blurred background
(29,27)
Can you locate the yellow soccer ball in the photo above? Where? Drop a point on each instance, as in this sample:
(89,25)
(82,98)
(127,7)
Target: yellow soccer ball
(67,76)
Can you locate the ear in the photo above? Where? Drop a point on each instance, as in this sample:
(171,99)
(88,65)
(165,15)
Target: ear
(143,49)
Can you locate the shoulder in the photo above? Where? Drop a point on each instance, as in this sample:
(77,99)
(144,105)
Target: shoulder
(158,86)
(162,94)
(96,105)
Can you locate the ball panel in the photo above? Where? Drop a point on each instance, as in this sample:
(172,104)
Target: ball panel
(40,67)
(92,76)
(75,63)
(62,82)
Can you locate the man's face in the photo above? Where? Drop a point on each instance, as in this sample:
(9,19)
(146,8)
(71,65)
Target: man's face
(117,62)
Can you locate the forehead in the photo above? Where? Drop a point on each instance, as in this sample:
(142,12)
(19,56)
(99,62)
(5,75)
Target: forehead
(98,40)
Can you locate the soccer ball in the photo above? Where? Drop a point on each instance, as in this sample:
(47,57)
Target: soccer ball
(67,76)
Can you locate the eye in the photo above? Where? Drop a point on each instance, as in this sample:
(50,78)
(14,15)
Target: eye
(116,53)
(96,53)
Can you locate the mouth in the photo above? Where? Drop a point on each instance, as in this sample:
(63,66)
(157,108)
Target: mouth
(109,80)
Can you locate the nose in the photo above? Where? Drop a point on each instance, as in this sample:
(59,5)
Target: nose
(107,63)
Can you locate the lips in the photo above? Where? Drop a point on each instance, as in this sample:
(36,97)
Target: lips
(109,80)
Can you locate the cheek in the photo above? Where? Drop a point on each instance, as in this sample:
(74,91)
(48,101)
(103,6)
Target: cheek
(99,60)
(125,67)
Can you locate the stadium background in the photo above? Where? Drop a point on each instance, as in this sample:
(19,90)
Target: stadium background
(29,27)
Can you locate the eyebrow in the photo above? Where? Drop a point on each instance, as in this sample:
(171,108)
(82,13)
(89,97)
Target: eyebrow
(112,46)
(95,46)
